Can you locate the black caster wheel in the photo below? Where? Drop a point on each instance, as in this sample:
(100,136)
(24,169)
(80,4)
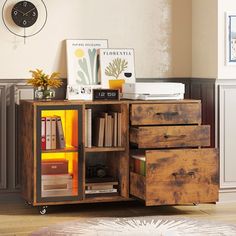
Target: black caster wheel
(43,210)
(28,203)
(195,203)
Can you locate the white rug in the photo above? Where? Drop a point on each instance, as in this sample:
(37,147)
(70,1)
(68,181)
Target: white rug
(139,226)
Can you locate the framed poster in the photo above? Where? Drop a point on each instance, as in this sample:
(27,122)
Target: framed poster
(82,66)
(230,38)
(116,67)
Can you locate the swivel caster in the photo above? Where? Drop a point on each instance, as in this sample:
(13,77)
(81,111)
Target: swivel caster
(196,203)
(43,210)
(28,203)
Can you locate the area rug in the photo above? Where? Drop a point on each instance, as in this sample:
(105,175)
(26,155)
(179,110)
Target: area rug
(139,226)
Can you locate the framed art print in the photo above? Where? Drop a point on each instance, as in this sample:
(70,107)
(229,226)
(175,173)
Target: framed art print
(230,38)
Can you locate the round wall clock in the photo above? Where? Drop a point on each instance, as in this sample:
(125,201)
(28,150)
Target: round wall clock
(24,18)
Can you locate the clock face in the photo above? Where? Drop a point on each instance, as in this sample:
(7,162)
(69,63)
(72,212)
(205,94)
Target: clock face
(24,14)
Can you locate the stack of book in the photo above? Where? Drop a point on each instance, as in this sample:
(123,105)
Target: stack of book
(101,187)
(55,178)
(139,164)
(52,134)
(106,129)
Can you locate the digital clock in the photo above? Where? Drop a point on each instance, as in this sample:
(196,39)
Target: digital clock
(106,94)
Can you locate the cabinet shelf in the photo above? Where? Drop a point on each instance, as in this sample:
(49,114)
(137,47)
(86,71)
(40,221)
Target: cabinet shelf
(67,149)
(105,149)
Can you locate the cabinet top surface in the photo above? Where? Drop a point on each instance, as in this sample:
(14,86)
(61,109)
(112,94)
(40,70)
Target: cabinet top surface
(122,101)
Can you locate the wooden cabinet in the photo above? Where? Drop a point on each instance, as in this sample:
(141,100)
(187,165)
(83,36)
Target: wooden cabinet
(178,169)
(168,133)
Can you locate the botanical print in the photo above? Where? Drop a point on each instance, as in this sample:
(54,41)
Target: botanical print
(82,64)
(116,67)
(82,67)
(231,38)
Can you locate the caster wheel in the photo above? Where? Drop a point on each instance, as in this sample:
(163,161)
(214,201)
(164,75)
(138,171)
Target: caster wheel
(195,203)
(43,210)
(28,203)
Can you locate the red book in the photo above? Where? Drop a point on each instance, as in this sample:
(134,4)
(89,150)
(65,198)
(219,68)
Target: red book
(43,133)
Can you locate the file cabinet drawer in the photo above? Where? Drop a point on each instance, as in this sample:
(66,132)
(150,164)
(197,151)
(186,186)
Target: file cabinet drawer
(157,114)
(177,177)
(170,136)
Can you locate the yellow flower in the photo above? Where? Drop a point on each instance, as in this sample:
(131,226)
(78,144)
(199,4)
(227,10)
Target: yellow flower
(40,79)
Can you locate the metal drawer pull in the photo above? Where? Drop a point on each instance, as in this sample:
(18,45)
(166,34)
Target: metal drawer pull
(182,174)
(166,136)
(167,113)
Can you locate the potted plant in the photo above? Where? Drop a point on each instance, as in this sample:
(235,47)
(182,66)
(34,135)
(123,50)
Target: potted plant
(44,83)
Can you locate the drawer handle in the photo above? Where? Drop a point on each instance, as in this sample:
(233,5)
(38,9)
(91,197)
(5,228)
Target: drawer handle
(166,136)
(182,174)
(167,113)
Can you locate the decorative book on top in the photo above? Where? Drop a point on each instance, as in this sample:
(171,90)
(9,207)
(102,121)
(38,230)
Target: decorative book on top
(116,67)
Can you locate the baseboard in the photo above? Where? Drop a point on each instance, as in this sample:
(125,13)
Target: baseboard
(227,196)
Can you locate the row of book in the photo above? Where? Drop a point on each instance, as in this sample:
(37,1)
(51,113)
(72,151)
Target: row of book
(104,130)
(52,134)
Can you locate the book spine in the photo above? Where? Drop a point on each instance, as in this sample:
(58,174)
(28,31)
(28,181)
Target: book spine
(48,132)
(60,133)
(86,128)
(92,191)
(119,130)
(43,133)
(89,127)
(53,133)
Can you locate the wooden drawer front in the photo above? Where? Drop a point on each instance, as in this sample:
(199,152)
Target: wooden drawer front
(170,136)
(153,114)
(178,176)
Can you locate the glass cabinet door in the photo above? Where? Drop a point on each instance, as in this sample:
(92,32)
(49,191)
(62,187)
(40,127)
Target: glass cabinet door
(59,154)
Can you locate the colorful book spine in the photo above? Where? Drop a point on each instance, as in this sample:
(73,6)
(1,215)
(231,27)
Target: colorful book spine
(48,133)
(53,133)
(43,133)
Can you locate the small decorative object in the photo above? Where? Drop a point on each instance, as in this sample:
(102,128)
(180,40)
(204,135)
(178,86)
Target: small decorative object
(116,67)
(230,38)
(44,84)
(19,16)
(106,94)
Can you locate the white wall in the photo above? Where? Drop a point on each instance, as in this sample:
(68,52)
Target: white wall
(204,38)
(158,30)
(225,71)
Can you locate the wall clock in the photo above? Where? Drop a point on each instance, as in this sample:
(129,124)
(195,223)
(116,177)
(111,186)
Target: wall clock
(24,18)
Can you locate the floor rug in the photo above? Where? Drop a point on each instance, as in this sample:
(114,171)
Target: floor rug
(139,226)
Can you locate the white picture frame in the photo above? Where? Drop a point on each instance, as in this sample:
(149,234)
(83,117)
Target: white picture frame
(82,67)
(117,66)
(230,32)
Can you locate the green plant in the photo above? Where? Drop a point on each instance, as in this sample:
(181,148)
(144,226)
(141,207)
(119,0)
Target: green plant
(116,67)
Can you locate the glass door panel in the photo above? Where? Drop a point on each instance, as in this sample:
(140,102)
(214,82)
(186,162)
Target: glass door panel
(59,157)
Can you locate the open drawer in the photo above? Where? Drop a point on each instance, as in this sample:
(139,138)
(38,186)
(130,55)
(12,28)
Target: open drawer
(177,177)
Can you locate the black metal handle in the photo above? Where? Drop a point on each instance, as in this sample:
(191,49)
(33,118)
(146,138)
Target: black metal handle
(167,113)
(183,174)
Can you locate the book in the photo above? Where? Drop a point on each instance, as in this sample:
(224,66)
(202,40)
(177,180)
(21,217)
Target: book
(119,130)
(43,133)
(115,125)
(99,126)
(106,140)
(56,176)
(86,128)
(48,133)
(100,187)
(94,191)
(89,127)
(116,67)
(53,133)
(60,140)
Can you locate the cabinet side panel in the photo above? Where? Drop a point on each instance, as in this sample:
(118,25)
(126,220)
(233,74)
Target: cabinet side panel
(27,150)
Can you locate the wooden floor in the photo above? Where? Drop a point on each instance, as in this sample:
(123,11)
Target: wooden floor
(20,219)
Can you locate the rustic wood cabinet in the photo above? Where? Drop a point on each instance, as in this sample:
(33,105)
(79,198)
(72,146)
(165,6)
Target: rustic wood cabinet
(179,167)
